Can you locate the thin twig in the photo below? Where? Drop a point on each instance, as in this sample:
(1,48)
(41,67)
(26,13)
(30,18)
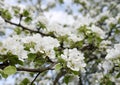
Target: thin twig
(109,34)
(59,75)
(35,78)
(80,80)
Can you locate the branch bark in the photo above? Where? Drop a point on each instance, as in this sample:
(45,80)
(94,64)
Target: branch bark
(30,30)
(109,33)
(36,70)
(59,75)
(35,78)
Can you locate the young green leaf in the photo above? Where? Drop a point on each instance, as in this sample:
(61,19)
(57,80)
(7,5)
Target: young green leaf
(58,67)
(9,70)
(26,13)
(25,81)
(3,74)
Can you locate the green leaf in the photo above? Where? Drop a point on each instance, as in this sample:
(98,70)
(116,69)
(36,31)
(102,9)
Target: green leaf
(58,52)
(106,80)
(40,59)
(3,74)
(51,34)
(19,62)
(13,59)
(67,78)
(58,67)
(63,38)
(118,75)
(2,33)
(25,82)
(1,44)
(16,10)
(41,25)
(77,1)
(61,1)
(61,60)
(102,19)
(75,72)
(18,30)
(9,70)
(26,13)
(6,14)
(119,21)
(31,56)
(110,83)
(28,46)
(28,19)
(77,44)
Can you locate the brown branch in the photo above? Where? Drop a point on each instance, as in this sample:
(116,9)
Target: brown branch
(80,79)
(59,75)
(36,70)
(109,33)
(4,64)
(40,70)
(35,78)
(30,30)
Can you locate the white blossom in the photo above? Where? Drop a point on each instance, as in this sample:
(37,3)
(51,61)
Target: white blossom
(96,78)
(74,59)
(13,45)
(60,17)
(81,21)
(113,53)
(45,82)
(76,37)
(107,65)
(98,30)
(106,13)
(42,44)
(41,18)
(111,21)
(105,43)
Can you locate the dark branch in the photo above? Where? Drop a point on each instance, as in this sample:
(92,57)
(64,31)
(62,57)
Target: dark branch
(80,80)
(30,30)
(21,16)
(35,78)
(4,64)
(36,70)
(109,34)
(59,75)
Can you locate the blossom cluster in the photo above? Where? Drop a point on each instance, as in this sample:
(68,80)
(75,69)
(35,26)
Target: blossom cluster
(16,45)
(74,59)
(113,53)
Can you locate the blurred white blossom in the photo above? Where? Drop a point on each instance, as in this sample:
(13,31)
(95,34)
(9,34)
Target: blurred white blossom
(113,53)
(74,59)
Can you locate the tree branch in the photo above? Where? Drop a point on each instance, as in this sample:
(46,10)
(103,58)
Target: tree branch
(30,30)
(36,70)
(109,34)
(35,78)
(80,80)
(59,75)
(4,64)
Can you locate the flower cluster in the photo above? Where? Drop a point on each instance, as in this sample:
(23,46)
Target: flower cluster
(113,53)
(74,59)
(16,45)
